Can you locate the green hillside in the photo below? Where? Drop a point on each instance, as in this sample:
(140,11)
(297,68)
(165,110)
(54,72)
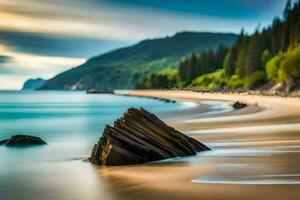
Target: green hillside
(268,59)
(122,68)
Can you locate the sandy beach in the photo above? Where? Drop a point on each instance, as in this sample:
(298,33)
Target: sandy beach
(256,153)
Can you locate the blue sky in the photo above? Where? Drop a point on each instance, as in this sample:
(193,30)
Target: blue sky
(40,38)
(220,8)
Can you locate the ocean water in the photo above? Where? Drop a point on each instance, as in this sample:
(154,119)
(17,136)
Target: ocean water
(71,123)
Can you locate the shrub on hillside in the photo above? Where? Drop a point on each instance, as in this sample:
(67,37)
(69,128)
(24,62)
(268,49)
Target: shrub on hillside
(290,65)
(210,81)
(272,67)
(255,80)
(235,82)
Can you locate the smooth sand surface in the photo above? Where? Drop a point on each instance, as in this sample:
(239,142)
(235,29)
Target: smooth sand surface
(256,153)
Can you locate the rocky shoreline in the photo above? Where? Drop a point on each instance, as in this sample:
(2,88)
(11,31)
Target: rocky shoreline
(295,93)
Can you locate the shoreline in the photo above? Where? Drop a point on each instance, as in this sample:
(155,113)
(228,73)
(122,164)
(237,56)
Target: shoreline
(273,106)
(256,153)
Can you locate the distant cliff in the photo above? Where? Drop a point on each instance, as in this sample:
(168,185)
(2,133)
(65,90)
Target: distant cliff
(122,68)
(33,84)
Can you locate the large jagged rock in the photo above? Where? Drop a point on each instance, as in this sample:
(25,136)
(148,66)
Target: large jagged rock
(140,137)
(22,140)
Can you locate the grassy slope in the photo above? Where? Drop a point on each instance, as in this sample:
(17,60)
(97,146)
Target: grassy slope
(121,68)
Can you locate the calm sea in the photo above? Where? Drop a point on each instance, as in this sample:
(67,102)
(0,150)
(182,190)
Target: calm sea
(71,123)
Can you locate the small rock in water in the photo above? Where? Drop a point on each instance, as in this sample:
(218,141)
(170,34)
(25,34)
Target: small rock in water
(140,137)
(22,140)
(100,91)
(239,105)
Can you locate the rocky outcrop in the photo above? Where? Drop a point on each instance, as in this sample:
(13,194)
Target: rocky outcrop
(33,84)
(100,91)
(140,137)
(239,105)
(22,140)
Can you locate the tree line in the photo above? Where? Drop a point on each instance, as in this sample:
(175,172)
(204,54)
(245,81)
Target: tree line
(271,54)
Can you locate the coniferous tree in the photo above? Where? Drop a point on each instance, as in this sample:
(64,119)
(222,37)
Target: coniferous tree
(252,56)
(229,61)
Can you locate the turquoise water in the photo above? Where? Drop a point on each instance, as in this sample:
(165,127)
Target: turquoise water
(71,123)
(67,119)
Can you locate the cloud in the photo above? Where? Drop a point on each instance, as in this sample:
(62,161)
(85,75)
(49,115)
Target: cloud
(122,20)
(4,59)
(45,37)
(55,45)
(25,63)
(22,65)
(12,82)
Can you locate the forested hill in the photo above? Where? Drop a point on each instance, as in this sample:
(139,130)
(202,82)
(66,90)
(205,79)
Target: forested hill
(268,58)
(123,67)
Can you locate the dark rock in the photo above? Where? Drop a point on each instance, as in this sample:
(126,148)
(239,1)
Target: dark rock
(166,100)
(140,137)
(239,105)
(3,142)
(22,140)
(100,91)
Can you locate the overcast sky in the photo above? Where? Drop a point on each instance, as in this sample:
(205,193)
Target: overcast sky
(40,38)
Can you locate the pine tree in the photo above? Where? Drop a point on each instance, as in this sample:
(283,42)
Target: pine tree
(287,9)
(229,61)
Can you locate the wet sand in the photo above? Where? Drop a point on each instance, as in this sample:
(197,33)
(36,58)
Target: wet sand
(256,154)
